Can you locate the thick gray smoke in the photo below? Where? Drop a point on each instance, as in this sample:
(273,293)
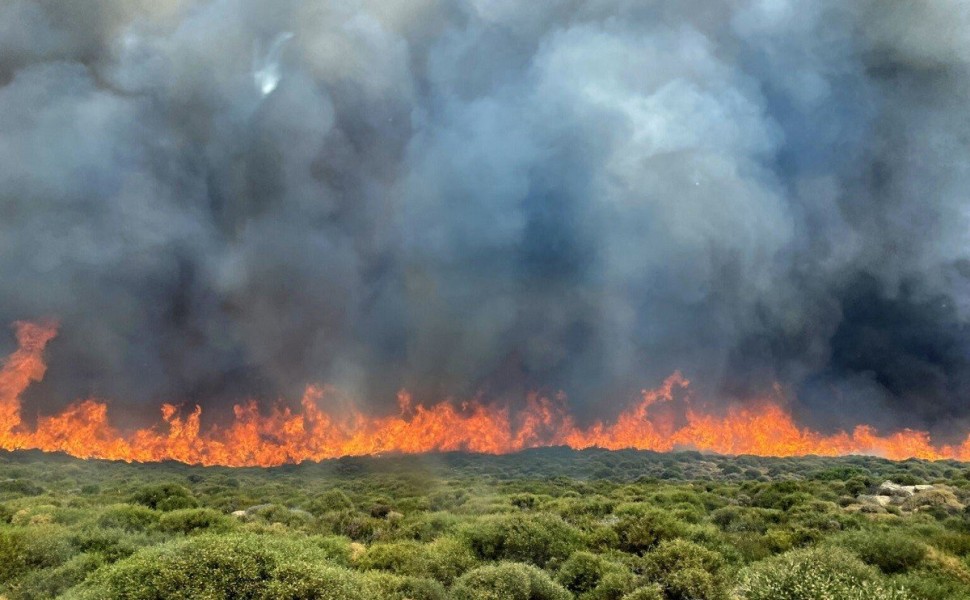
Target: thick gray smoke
(231,199)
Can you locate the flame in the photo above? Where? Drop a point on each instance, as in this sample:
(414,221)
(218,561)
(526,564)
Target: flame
(312,433)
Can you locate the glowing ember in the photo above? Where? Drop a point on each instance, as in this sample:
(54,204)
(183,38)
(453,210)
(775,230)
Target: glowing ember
(83,429)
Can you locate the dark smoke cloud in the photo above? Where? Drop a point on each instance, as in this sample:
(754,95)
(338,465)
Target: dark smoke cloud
(234,198)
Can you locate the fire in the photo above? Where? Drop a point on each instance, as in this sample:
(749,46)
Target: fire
(312,433)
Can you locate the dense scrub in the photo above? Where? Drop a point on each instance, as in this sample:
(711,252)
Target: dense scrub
(549,524)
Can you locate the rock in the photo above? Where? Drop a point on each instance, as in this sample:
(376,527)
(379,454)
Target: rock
(888,488)
(239,513)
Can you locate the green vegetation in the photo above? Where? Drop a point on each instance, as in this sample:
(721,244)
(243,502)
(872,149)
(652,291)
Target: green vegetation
(550,524)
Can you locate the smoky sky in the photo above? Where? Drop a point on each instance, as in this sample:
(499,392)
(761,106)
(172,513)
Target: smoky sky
(230,199)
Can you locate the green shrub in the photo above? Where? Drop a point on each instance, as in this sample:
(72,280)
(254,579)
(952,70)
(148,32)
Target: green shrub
(300,580)
(593,577)
(507,581)
(247,566)
(405,558)
(350,524)
(164,496)
(191,520)
(428,526)
(524,501)
(336,549)
(20,487)
(687,571)
(26,549)
(532,538)
(111,543)
(443,560)
(49,583)
(740,519)
(582,572)
(892,552)
(277,513)
(930,585)
(227,566)
(641,528)
(198,567)
(613,585)
(693,584)
(647,592)
(595,507)
(303,580)
(448,558)
(332,500)
(394,587)
(129,517)
(448,499)
(814,573)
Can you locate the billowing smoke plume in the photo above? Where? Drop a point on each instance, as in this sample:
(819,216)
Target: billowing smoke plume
(230,199)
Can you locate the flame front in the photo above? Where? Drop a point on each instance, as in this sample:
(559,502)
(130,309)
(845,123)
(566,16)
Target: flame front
(285,436)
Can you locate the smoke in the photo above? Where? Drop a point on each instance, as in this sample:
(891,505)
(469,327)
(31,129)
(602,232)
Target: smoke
(232,198)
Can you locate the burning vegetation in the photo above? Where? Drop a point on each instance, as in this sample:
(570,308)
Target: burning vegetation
(311,433)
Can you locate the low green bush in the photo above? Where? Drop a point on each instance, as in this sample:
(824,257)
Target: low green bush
(640,528)
(647,592)
(130,517)
(507,581)
(192,520)
(24,549)
(891,551)
(816,573)
(110,543)
(396,587)
(687,571)
(298,580)
(594,577)
(51,582)
(330,501)
(164,496)
(20,487)
(532,538)
(223,567)
(404,558)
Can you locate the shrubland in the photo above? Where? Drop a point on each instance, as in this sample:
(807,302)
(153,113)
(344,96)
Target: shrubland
(546,524)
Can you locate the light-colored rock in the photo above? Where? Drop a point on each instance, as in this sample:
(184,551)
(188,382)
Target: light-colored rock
(239,513)
(888,488)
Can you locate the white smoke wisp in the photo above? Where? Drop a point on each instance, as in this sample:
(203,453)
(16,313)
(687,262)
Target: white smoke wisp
(266,66)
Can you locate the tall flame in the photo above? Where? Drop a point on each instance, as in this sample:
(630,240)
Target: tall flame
(284,435)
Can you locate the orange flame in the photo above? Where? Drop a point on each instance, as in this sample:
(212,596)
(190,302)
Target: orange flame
(285,436)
